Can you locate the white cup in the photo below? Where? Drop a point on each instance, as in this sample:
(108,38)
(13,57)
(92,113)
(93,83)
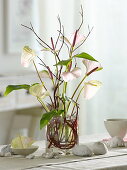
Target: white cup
(116,127)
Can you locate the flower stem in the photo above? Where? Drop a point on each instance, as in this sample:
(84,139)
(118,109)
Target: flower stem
(42,81)
(77,99)
(76,90)
(64,88)
(78,86)
(42,103)
(79,93)
(37,72)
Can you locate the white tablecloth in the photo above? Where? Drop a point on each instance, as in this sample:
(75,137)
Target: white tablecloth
(114,159)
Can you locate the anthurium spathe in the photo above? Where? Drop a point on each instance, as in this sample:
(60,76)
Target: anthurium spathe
(38,91)
(44,74)
(27,56)
(71,75)
(91,65)
(91,88)
(79,39)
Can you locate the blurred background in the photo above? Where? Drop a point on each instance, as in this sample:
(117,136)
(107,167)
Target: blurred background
(20,112)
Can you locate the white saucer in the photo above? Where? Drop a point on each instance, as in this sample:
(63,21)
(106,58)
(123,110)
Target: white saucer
(24,151)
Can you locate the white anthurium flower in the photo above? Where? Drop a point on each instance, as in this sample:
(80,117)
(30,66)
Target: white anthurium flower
(39,91)
(90,65)
(91,88)
(76,72)
(67,76)
(71,75)
(44,74)
(27,56)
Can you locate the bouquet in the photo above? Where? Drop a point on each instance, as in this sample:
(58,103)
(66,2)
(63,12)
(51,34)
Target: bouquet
(61,113)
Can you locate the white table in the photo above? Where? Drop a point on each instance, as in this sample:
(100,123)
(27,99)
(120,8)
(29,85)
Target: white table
(115,159)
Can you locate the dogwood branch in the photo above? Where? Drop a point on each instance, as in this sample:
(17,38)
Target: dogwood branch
(84,39)
(32,29)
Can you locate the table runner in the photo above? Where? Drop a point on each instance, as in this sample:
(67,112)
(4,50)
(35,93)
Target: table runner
(111,159)
(20,163)
(112,163)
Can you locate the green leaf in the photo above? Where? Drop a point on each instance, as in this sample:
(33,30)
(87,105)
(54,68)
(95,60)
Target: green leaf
(84,56)
(63,62)
(34,84)
(11,88)
(46,117)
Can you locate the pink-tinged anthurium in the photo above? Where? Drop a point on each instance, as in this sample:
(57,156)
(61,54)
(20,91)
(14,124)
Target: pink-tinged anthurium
(79,39)
(91,65)
(91,88)
(27,56)
(39,91)
(76,72)
(71,75)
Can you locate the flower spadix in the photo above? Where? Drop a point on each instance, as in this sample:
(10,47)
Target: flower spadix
(27,56)
(71,75)
(91,88)
(38,90)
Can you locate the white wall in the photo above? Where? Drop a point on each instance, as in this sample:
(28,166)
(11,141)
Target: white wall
(107,44)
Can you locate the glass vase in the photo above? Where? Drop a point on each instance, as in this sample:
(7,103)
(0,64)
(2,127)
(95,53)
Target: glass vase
(62,133)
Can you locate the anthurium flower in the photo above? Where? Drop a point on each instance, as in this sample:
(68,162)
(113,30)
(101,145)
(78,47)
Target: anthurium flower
(76,72)
(79,39)
(91,65)
(91,88)
(70,75)
(22,142)
(27,56)
(44,74)
(38,90)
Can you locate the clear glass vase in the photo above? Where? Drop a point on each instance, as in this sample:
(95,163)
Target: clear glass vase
(62,133)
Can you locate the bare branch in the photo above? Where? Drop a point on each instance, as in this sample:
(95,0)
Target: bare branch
(47,67)
(81,13)
(59,31)
(42,61)
(40,43)
(52,44)
(64,41)
(88,28)
(74,39)
(32,29)
(84,39)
